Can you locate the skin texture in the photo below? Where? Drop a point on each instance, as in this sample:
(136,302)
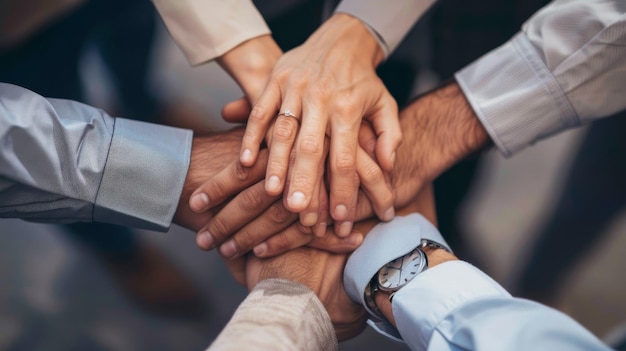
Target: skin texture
(440,129)
(322,272)
(330,84)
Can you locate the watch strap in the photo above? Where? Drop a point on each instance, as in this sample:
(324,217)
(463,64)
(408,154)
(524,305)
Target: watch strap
(384,243)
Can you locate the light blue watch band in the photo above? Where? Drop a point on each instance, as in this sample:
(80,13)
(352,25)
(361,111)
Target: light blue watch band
(384,243)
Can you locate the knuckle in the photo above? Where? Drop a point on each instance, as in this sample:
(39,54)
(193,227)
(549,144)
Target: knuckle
(278,214)
(218,228)
(310,145)
(344,164)
(257,115)
(371,173)
(252,198)
(347,106)
(276,165)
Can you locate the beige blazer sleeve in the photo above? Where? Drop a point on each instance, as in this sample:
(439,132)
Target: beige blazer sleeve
(391,20)
(206,29)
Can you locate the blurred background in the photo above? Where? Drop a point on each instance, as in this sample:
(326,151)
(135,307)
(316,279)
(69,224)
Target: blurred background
(549,224)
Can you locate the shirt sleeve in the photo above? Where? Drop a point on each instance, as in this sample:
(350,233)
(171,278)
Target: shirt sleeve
(455,306)
(206,29)
(278,314)
(390,20)
(63,161)
(566,67)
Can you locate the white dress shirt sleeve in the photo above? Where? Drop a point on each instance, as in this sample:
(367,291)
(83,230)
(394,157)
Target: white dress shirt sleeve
(567,67)
(390,20)
(206,29)
(63,161)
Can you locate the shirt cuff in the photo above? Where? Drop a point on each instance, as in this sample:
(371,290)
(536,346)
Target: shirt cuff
(389,21)
(424,303)
(205,30)
(515,96)
(143,176)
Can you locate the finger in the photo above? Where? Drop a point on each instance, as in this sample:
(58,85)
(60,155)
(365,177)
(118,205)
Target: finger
(344,181)
(367,139)
(309,150)
(284,134)
(294,236)
(317,211)
(332,243)
(364,209)
(236,111)
(230,181)
(245,207)
(375,186)
(258,122)
(386,125)
(275,219)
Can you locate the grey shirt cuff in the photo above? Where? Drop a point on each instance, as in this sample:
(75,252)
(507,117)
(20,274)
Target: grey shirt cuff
(143,176)
(515,96)
(389,21)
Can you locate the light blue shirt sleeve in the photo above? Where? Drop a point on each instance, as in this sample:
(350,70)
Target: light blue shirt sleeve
(63,161)
(566,68)
(455,306)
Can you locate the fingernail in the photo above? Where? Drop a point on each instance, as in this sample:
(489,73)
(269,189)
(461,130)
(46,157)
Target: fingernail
(199,202)
(341,212)
(309,219)
(205,239)
(272,184)
(246,156)
(320,229)
(389,214)
(228,249)
(296,199)
(345,229)
(355,240)
(260,249)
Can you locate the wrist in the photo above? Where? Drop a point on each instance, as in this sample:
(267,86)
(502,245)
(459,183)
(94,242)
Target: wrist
(251,63)
(351,35)
(446,131)
(435,257)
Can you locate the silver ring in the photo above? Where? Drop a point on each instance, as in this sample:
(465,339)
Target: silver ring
(288,113)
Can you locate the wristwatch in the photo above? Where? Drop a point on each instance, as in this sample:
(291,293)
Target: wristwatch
(398,273)
(389,258)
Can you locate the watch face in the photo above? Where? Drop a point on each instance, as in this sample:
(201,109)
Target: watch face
(402,270)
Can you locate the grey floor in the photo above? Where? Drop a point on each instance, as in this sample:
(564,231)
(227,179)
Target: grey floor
(54,295)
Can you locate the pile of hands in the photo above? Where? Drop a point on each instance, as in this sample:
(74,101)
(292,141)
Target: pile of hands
(292,194)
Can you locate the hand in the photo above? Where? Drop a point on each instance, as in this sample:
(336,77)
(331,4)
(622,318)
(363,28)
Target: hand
(330,84)
(440,129)
(209,156)
(252,216)
(250,64)
(322,272)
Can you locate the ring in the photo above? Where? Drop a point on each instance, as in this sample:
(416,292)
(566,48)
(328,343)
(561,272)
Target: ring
(288,113)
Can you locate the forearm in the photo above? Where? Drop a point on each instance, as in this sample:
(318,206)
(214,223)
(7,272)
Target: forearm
(62,161)
(278,315)
(440,129)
